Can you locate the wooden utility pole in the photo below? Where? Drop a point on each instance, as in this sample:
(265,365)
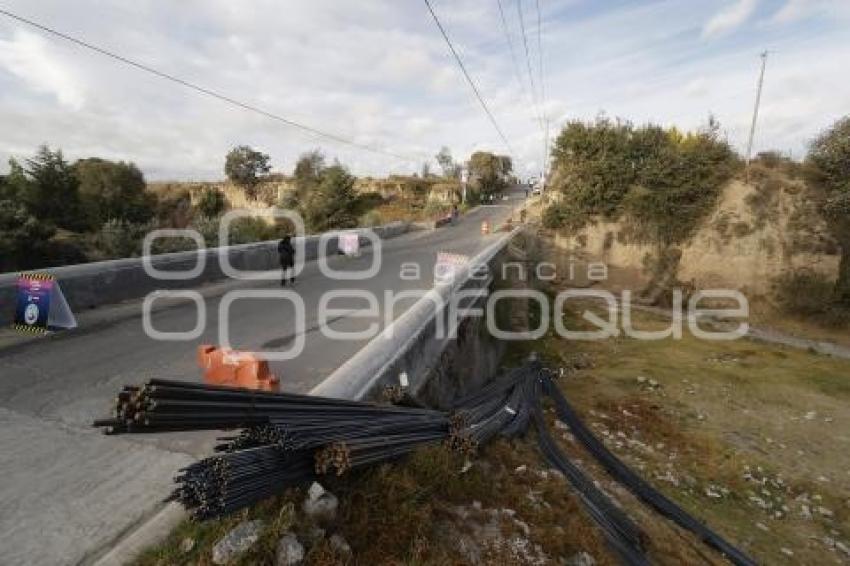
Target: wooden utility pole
(755,113)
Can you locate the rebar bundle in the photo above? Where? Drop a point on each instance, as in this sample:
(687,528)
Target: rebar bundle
(289,439)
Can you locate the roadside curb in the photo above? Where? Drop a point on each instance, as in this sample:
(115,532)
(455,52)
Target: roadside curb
(133,543)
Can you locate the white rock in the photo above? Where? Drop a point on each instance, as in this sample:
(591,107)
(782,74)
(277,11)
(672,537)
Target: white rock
(842,547)
(521,469)
(786,551)
(237,541)
(581,559)
(290,552)
(467,465)
(825,512)
(339,544)
(763,527)
(316,490)
(321,508)
(829,542)
(805,512)
(641,379)
(186,545)
(810,415)
(523,526)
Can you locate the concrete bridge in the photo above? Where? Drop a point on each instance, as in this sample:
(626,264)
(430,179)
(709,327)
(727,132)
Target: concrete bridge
(70,495)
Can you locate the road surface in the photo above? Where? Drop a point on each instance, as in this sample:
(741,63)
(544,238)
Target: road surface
(67,491)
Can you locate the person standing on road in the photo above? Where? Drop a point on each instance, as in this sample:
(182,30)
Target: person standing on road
(286,255)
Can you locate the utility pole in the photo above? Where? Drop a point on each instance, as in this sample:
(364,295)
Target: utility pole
(755,113)
(545,157)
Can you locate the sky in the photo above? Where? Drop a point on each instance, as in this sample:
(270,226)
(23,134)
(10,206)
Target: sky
(378,72)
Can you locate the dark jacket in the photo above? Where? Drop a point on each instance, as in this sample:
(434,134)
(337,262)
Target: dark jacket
(286,253)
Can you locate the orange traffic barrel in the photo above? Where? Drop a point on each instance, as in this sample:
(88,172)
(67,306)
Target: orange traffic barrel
(223,366)
(485,227)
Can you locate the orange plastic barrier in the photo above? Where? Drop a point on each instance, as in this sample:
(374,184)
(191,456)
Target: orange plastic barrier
(223,366)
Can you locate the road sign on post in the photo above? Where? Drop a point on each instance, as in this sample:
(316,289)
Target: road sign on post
(349,244)
(464,179)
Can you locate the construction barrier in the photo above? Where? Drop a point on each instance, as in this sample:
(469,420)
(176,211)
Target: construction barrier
(223,366)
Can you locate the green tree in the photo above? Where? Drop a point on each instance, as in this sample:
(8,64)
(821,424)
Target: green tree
(507,165)
(593,164)
(113,191)
(828,167)
(308,171)
(663,181)
(447,163)
(244,165)
(211,203)
(329,206)
(50,190)
(487,172)
(23,237)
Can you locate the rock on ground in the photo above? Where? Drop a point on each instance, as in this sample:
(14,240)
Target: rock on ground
(339,544)
(290,552)
(320,505)
(581,559)
(237,541)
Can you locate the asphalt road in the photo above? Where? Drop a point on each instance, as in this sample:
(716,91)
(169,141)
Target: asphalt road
(67,491)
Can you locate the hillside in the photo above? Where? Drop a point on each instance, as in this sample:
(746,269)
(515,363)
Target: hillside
(756,234)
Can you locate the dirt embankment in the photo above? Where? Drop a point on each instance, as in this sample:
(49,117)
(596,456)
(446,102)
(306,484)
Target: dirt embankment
(756,233)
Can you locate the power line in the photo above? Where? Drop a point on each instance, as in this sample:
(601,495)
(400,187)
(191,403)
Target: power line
(203,90)
(540,51)
(514,60)
(469,78)
(542,90)
(528,62)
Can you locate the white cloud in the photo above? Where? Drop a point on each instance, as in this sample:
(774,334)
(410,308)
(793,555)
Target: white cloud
(379,72)
(730,18)
(28,57)
(792,10)
(797,10)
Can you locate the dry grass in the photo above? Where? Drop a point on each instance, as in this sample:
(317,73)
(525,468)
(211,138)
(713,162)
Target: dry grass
(719,410)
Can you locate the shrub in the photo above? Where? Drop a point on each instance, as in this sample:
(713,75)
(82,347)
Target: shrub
(828,166)
(564,215)
(211,203)
(663,180)
(23,237)
(329,205)
(113,190)
(308,170)
(371,219)
(174,209)
(803,292)
(119,238)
